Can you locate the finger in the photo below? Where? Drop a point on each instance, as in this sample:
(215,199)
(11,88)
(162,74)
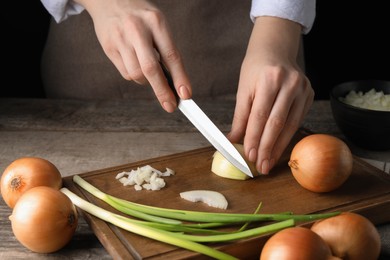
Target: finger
(240,117)
(132,65)
(159,84)
(259,116)
(310,97)
(274,126)
(116,59)
(150,62)
(175,66)
(290,128)
(171,58)
(151,69)
(296,116)
(120,51)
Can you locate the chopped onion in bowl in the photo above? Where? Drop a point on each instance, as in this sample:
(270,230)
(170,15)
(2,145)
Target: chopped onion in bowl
(374,100)
(145,177)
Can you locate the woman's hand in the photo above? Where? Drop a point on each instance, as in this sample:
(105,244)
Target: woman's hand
(273,94)
(135,36)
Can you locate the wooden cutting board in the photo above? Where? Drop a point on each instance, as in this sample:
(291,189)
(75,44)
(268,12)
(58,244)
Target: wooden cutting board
(366,192)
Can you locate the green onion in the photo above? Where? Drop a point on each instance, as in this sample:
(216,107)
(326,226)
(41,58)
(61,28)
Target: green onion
(195,216)
(247,223)
(271,228)
(166,225)
(154,233)
(156,230)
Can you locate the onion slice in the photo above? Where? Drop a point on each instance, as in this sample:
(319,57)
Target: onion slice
(211,198)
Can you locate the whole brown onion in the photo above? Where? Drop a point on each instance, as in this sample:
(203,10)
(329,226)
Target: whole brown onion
(296,243)
(44,219)
(350,236)
(25,173)
(321,162)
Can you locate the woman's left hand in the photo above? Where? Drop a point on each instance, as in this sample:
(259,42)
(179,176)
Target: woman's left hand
(273,96)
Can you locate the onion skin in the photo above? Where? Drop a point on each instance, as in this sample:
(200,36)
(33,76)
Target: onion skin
(25,173)
(321,162)
(44,219)
(350,236)
(223,168)
(296,243)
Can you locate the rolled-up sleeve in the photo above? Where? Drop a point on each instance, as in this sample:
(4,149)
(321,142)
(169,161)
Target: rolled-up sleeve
(60,10)
(300,11)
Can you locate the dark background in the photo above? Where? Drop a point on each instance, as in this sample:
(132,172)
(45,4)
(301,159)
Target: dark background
(349,41)
(24,29)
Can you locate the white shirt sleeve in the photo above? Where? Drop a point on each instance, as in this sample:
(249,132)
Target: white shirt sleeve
(300,11)
(60,10)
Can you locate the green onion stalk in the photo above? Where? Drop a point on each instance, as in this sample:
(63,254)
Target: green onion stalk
(143,230)
(194,216)
(156,230)
(166,225)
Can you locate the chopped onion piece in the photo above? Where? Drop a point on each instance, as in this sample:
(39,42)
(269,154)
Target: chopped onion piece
(211,198)
(374,100)
(145,177)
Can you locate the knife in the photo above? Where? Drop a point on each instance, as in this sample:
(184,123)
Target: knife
(202,122)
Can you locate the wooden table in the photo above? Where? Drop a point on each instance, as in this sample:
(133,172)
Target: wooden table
(81,136)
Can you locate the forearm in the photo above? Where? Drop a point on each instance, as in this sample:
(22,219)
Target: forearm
(94,7)
(299,11)
(274,37)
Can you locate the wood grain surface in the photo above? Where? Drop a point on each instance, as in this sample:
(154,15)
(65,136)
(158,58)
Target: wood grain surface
(86,136)
(367,192)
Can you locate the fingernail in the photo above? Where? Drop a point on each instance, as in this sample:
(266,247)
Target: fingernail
(252,155)
(169,107)
(184,93)
(265,167)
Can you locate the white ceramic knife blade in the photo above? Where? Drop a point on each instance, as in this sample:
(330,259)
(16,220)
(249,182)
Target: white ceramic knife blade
(202,122)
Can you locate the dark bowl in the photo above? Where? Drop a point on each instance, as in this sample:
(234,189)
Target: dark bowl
(366,128)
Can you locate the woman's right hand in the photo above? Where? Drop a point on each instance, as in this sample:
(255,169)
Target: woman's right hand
(135,36)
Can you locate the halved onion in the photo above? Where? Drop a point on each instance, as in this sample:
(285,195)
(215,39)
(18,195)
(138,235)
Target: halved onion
(223,168)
